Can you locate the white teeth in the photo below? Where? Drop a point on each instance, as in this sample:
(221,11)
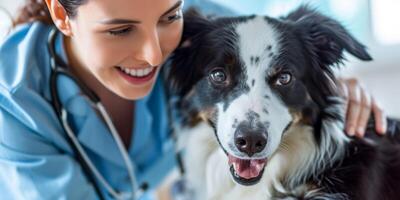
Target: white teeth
(147,71)
(126,70)
(133,72)
(137,72)
(259,167)
(236,166)
(140,72)
(237,175)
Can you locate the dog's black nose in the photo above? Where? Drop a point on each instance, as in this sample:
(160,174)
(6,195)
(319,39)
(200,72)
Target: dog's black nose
(250,141)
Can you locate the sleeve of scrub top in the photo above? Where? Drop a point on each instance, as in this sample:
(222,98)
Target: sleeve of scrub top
(31,167)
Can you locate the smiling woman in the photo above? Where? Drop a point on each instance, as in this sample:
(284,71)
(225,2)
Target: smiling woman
(113,102)
(112,40)
(110,52)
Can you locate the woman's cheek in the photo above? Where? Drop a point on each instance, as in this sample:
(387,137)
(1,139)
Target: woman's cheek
(106,53)
(170,37)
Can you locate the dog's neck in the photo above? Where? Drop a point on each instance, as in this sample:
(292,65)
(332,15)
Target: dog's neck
(300,157)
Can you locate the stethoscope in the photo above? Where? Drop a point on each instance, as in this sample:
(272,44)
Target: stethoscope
(58,68)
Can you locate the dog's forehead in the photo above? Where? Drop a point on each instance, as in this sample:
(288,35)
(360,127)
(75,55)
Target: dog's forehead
(257,40)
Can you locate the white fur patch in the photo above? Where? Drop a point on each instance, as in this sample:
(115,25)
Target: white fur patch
(200,144)
(270,110)
(255,42)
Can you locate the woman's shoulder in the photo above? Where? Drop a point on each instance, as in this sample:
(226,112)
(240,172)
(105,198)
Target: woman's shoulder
(24,87)
(24,57)
(24,73)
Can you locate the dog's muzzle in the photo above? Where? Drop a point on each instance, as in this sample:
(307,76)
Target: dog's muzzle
(250,141)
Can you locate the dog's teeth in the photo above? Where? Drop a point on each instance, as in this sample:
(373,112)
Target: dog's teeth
(236,175)
(259,166)
(236,167)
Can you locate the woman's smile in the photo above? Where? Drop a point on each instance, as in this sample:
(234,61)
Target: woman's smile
(138,76)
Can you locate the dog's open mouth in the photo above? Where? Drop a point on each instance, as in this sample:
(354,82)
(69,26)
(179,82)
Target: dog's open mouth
(246,172)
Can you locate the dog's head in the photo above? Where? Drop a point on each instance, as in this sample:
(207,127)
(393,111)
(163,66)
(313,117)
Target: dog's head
(252,77)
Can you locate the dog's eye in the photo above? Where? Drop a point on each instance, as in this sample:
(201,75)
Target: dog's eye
(283,78)
(218,76)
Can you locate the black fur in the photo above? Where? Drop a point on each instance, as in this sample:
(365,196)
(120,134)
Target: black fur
(370,169)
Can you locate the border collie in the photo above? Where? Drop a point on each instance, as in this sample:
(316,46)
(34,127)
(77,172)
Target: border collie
(262,115)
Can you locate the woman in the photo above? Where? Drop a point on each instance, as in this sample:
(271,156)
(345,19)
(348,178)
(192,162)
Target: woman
(115,49)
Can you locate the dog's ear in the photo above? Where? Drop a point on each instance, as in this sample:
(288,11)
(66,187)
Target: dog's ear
(194,25)
(183,72)
(325,37)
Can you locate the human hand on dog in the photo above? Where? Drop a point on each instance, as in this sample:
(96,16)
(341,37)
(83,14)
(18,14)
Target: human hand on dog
(360,104)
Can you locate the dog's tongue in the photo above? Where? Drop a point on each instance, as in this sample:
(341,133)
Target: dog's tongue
(247,168)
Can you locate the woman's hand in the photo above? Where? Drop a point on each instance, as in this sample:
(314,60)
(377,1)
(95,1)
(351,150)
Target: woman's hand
(360,104)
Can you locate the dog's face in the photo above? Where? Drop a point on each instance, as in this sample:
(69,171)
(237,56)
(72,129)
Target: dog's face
(252,77)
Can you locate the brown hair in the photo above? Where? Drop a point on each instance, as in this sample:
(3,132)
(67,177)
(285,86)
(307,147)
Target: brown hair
(36,10)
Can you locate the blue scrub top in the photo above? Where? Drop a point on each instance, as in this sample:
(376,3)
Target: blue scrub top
(36,161)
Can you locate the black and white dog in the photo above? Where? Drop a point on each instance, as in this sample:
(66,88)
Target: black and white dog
(263,117)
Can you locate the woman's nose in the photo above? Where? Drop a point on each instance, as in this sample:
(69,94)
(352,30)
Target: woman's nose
(150,50)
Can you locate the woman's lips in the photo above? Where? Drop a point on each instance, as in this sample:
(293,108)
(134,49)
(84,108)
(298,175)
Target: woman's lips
(137,76)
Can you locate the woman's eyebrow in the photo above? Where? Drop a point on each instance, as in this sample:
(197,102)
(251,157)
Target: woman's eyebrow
(119,21)
(177,4)
(129,21)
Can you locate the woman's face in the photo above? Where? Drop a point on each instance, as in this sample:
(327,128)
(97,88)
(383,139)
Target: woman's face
(123,43)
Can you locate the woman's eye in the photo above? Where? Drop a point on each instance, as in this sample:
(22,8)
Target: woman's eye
(120,32)
(283,79)
(171,18)
(218,76)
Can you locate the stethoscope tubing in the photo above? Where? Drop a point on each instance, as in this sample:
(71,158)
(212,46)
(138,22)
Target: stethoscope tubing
(88,166)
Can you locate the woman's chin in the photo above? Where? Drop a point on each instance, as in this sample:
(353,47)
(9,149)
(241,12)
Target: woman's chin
(136,93)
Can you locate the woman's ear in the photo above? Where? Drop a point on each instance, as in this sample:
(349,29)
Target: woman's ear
(59,16)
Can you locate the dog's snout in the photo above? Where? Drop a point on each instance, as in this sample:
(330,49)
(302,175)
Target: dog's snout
(249,141)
